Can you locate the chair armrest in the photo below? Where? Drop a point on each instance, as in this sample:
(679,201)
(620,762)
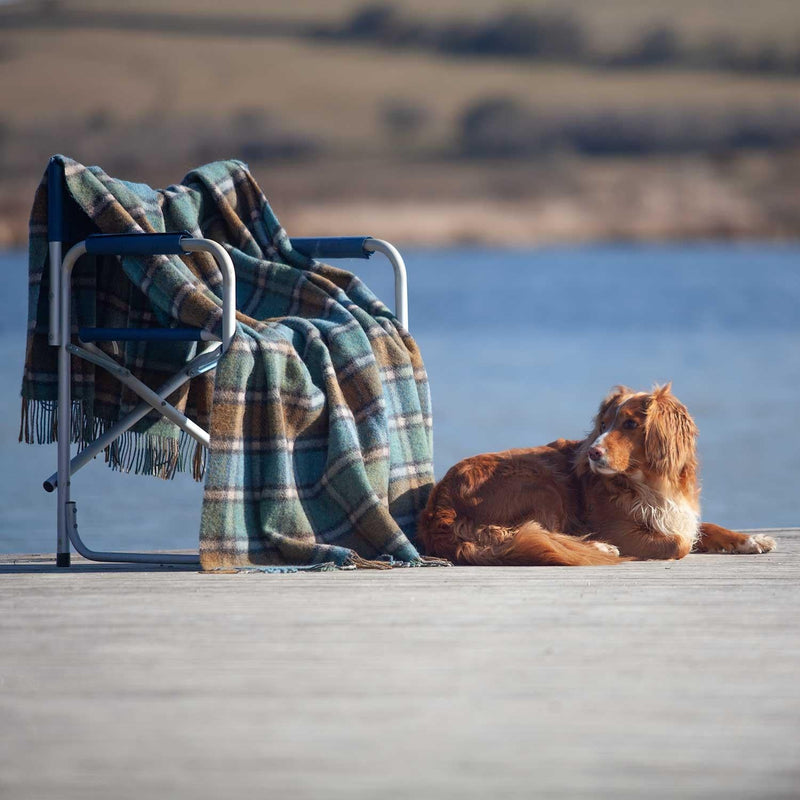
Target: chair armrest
(332,247)
(136,244)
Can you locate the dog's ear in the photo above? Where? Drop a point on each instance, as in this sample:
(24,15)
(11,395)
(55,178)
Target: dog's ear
(613,398)
(670,434)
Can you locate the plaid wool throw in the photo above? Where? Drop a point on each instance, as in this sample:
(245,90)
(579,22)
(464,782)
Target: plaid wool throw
(319,413)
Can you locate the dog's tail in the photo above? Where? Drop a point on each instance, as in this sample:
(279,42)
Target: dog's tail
(531,545)
(446,534)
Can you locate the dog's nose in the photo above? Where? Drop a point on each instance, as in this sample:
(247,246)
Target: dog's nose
(596,453)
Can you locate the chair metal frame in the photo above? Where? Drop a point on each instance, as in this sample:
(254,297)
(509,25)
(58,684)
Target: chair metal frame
(210,352)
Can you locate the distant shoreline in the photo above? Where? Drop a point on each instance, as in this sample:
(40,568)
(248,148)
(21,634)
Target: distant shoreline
(435,125)
(443,203)
(489,223)
(458,222)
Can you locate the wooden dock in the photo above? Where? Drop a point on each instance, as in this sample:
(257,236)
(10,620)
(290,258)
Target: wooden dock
(648,680)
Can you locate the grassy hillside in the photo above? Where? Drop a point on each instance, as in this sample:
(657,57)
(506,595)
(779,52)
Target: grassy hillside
(332,94)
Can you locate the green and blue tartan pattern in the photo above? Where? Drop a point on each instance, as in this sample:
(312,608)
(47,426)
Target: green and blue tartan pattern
(319,414)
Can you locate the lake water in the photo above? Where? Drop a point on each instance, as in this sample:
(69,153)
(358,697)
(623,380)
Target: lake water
(520,346)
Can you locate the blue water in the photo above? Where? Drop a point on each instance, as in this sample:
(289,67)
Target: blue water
(520,346)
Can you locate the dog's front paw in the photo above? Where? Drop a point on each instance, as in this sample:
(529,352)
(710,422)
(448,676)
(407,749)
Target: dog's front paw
(604,547)
(757,543)
(714,539)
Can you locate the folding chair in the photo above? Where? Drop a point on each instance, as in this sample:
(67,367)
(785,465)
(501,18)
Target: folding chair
(177,243)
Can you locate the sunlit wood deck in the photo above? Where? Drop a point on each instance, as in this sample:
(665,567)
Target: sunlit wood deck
(648,680)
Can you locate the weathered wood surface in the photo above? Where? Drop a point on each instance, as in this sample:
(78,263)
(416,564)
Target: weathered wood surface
(650,680)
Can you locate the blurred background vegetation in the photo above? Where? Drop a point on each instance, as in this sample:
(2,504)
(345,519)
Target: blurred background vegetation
(467,120)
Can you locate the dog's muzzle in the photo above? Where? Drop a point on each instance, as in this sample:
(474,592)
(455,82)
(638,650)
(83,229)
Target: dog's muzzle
(598,462)
(597,455)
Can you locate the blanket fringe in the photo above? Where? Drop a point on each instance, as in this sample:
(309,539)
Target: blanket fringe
(141,453)
(199,461)
(431,561)
(24,422)
(389,562)
(355,560)
(278,569)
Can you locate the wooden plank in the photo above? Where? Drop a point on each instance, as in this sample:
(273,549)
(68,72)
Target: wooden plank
(657,679)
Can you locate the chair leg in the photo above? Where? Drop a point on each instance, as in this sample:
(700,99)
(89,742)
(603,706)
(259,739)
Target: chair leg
(71,518)
(64,418)
(63,555)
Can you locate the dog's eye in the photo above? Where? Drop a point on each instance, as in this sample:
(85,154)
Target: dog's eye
(629,424)
(602,427)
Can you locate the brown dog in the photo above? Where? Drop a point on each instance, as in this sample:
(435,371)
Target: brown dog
(629,490)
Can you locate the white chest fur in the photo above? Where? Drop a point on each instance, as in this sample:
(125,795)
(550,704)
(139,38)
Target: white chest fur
(662,514)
